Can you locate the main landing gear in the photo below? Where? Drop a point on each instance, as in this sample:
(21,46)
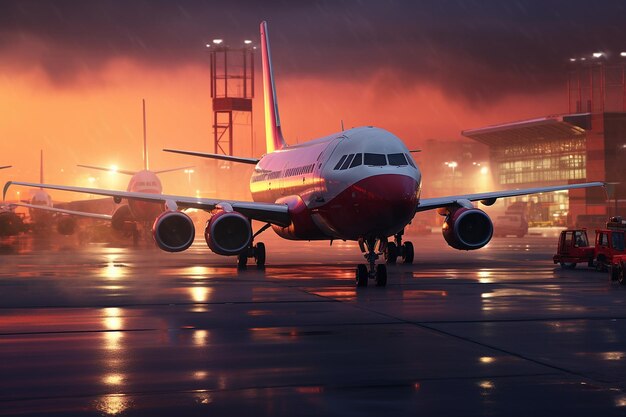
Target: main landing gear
(375,272)
(253,251)
(397,249)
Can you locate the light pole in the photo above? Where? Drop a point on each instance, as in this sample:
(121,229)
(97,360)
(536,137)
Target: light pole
(453,165)
(189,172)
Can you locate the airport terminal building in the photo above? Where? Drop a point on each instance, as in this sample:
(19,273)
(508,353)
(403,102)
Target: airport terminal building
(570,148)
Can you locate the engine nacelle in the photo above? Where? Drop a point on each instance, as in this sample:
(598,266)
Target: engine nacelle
(228,233)
(173,231)
(66,225)
(467,229)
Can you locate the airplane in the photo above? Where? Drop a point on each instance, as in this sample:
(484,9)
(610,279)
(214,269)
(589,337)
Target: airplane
(43,214)
(128,219)
(11,224)
(360,184)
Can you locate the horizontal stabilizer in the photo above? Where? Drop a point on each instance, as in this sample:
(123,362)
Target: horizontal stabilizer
(120,171)
(251,161)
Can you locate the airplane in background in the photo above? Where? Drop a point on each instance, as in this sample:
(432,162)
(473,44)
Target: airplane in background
(135,216)
(11,223)
(43,214)
(360,184)
(129,219)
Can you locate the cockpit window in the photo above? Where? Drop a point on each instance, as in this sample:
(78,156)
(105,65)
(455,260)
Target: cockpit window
(397,159)
(408,158)
(375,159)
(358,160)
(346,164)
(340,162)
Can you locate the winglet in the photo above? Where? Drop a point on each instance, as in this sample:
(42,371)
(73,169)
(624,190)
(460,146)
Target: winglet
(273,132)
(6,188)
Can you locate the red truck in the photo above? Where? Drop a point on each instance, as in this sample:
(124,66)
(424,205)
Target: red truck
(609,245)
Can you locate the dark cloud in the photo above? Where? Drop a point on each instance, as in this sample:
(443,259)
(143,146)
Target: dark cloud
(473,49)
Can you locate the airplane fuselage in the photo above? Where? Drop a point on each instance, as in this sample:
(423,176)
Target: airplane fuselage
(41,217)
(145,182)
(355,184)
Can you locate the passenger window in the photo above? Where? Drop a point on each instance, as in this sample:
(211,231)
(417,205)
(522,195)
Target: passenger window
(374,159)
(358,160)
(346,164)
(340,162)
(397,159)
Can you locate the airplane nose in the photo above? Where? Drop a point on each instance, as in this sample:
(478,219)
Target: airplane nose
(379,205)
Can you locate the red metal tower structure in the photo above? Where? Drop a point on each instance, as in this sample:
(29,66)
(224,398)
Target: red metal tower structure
(232,91)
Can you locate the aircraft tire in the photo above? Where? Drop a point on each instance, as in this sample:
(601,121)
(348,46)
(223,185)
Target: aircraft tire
(391,253)
(259,255)
(381,275)
(361,275)
(408,253)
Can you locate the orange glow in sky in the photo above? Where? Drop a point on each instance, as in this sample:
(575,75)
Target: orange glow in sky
(96,120)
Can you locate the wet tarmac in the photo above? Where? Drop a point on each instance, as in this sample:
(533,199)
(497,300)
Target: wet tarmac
(87,329)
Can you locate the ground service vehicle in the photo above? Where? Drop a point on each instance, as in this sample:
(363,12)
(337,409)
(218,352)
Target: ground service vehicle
(574,249)
(609,243)
(510,224)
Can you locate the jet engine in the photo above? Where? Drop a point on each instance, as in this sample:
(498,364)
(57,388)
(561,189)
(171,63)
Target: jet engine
(173,231)
(66,225)
(467,228)
(228,233)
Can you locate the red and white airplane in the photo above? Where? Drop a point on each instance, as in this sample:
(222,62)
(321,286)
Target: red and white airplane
(360,184)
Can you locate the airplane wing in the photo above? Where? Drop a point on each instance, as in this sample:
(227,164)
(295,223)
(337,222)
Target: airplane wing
(490,198)
(120,171)
(251,161)
(64,211)
(270,213)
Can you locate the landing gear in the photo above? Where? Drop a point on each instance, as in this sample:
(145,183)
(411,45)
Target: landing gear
(254,251)
(381,275)
(259,255)
(375,272)
(257,252)
(397,248)
(361,275)
(391,254)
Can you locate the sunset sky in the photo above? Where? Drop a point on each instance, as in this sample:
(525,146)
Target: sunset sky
(73,73)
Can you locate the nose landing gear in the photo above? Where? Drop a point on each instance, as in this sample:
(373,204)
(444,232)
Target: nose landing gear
(378,273)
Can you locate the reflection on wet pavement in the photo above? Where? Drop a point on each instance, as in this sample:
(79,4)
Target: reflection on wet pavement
(97,330)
